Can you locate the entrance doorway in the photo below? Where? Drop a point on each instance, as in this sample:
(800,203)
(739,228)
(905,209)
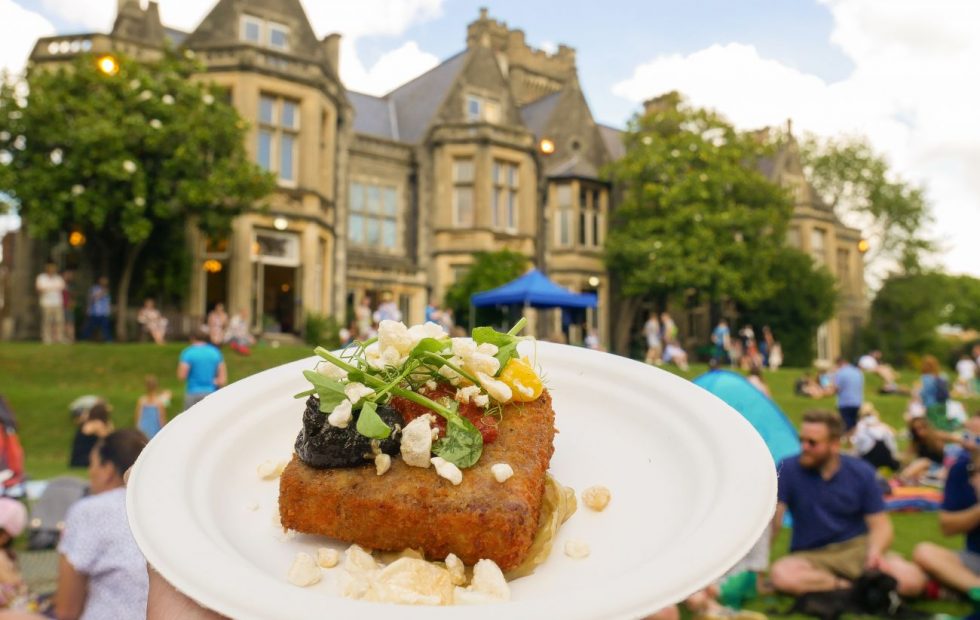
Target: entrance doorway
(279,298)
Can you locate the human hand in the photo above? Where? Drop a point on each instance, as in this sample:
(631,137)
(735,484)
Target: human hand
(165,602)
(873,561)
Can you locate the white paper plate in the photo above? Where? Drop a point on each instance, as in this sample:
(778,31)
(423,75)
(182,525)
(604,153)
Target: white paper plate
(692,483)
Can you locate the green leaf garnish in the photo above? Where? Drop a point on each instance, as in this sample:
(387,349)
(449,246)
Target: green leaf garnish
(463,443)
(370,424)
(506,343)
(331,392)
(428,345)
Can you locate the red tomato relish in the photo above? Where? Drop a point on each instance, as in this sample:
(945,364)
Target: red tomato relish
(410,410)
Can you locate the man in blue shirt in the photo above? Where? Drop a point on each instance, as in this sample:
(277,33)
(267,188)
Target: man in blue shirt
(203,368)
(960,514)
(849,387)
(840,528)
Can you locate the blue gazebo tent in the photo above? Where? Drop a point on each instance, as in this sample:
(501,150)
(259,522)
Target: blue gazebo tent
(760,411)
(533,289)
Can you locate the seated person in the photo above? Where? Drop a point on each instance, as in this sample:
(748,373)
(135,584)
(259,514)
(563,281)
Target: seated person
(101,572)
(959,514)
(93,425)
(13,520)
(874,440)
(154,323)
(927,452)
(808,386)
(238,337)
(840,527)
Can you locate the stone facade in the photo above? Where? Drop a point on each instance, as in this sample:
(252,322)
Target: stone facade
(392,194)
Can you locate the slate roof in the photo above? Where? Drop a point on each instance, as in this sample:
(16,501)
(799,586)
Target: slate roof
(417,102)
(372,115)
(537,113)
(613,139)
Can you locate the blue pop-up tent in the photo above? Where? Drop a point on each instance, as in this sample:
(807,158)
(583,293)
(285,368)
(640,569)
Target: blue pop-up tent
(533,289)
(761,412)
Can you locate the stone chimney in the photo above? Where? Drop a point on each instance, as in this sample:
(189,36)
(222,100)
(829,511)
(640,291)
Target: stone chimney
(662,103)
(331,50)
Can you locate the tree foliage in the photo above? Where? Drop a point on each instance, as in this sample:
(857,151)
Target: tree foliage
(803,297)
(120,157)
(908,309)
(695,211)
(859,185)
(489,270)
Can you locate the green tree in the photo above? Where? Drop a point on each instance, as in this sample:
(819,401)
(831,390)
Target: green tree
(489,270)
(906,312)
(859,185)
(119,155)
(802,298)
(695,212)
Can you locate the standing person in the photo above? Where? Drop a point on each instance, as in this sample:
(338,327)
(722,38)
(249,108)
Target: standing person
(966,372)
(848,384)
(766,345)
(840,527)
(99,304)
(50,289)
(217,324)
(101,573)
(959,514)
(203,368)
(388,309)
(151,409)
(68,304)
(362,319)
(721,338)
(651,331)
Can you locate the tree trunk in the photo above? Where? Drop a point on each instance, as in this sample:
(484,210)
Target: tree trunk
(625,316)
(122,293)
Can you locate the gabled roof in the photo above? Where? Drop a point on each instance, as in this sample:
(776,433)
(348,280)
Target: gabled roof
(221,26)
(372,115)
(575,166)
(417,102)
(613,139)
(537,113)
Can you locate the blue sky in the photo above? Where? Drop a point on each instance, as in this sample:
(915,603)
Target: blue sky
(904,74)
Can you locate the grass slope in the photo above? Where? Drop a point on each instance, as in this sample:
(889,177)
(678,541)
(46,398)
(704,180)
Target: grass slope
(40,381)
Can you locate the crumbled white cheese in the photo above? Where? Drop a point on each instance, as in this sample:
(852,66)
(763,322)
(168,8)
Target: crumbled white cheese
(382,463)
(448,372)
(487,349)
(447,470)
(331,372)
(356,391)
(488,579)
(456,568)
(431,384)
(576,549)
(359,560)
(270,470)
(435,433)
(417,441)
(498,390)
(304,571)
(395,335)
(465,394)
(481,400)
(412,581)
(426,330)
(502,471)
(341,415)
(327,558)
(476,358)
(596,497)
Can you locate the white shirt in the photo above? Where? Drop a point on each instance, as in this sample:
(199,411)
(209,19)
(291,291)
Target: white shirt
(97,541)
(966,369)
(50,288)
(868,363)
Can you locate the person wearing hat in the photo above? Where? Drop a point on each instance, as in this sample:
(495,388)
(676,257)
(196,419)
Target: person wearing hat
(13,519)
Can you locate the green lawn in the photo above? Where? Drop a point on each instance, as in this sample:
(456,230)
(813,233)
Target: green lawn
(41,381)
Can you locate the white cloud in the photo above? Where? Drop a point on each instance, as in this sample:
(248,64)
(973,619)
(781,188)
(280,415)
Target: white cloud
(912,92)
(353,21)
(19,30)
(391,70)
